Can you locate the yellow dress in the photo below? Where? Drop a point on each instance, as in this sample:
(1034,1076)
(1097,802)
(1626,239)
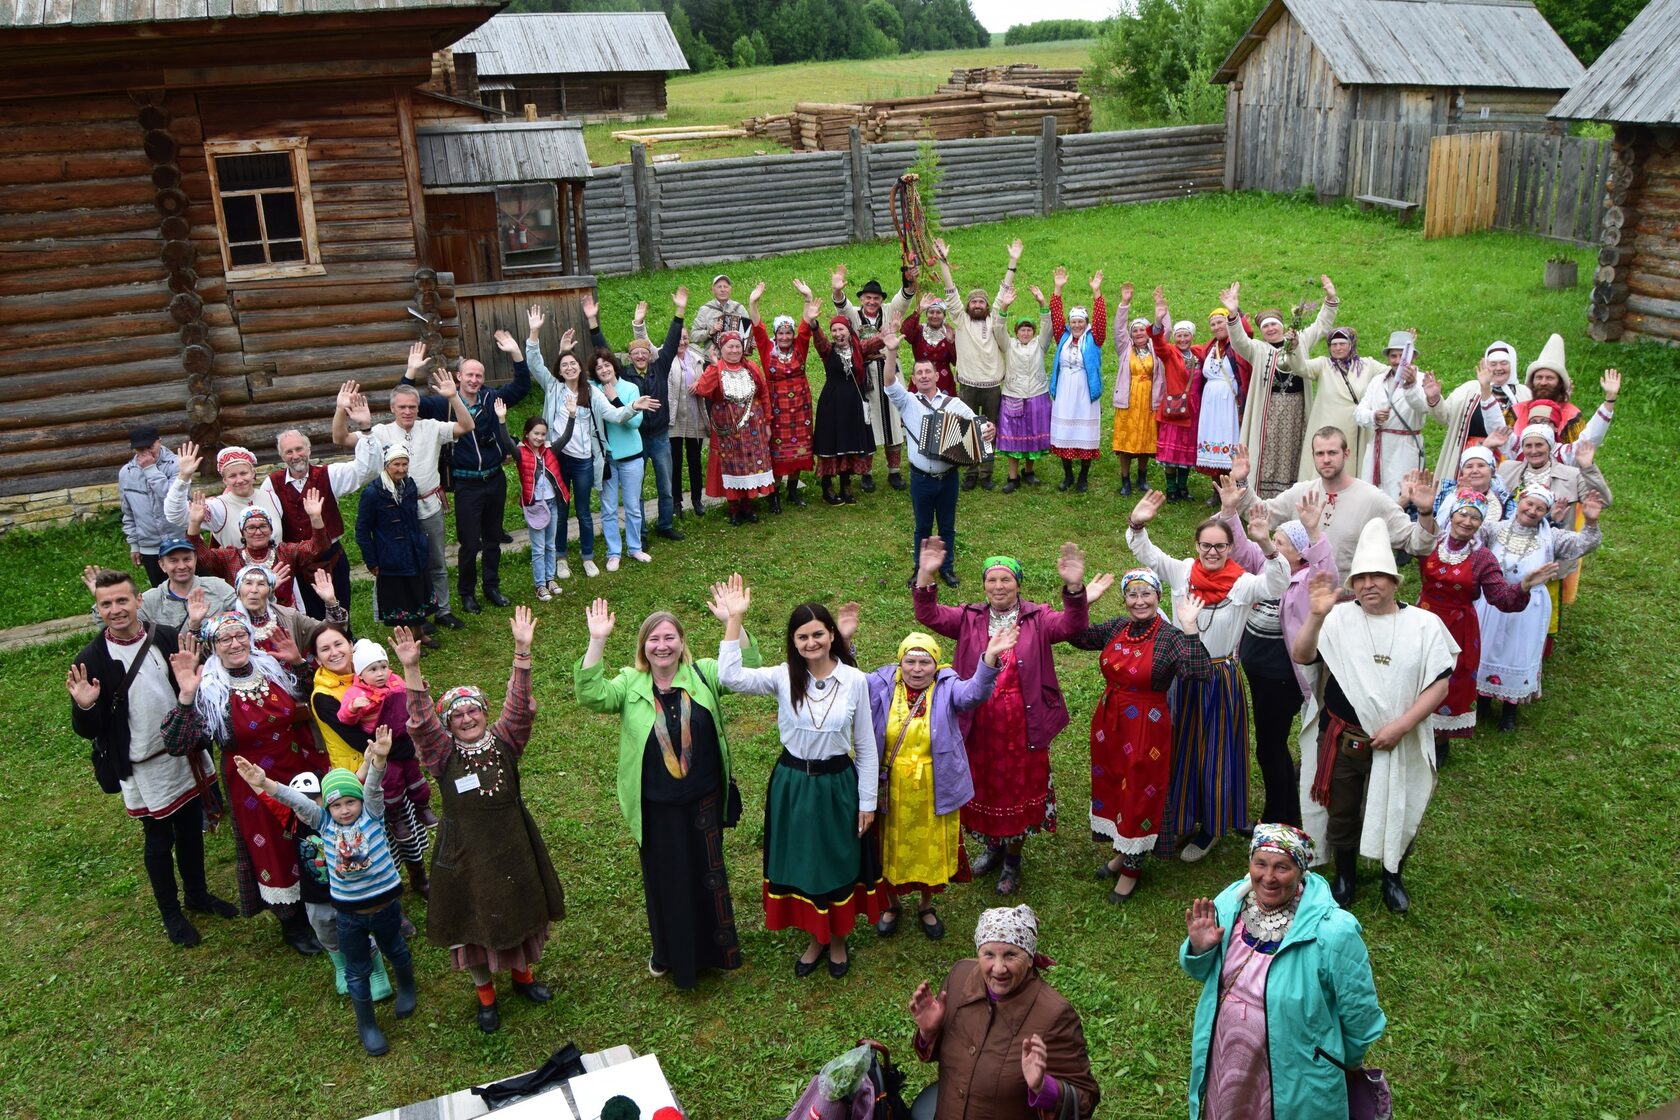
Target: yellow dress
(918,848)
(1134,427)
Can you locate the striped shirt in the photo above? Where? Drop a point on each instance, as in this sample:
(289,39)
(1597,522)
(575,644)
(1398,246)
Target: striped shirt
(361,871)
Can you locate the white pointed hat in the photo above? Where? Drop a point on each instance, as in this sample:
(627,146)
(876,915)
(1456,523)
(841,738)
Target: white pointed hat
(1551,357)
(1373,553)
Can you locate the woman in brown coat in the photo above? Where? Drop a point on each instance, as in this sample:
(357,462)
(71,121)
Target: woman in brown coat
(1034,1062)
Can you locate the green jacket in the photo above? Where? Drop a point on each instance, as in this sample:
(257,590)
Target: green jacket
(630,694)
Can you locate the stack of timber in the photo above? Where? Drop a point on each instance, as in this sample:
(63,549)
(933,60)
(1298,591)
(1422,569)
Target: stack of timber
(667,135)
(777,127)
(1141,166)
(1020,73)
(1636,289)
(983,109)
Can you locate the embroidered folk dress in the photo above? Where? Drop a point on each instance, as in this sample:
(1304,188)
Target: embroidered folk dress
(1514,645)
(1176,446)
(1131,729)
(1134,412)
(790,401)
(1453,580)
(739,465)
(1076,409)
(844,443)
(919,848)
(1218,397)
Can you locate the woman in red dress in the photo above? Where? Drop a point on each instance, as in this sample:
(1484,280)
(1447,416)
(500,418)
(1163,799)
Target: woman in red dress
(243,699)
(738,468)
(1131,730)
(790,391)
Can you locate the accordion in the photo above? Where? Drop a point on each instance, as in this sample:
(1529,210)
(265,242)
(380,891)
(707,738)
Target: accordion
(951,438)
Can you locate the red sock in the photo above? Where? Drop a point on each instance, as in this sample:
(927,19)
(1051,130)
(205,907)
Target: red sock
(522,976)
(487,994)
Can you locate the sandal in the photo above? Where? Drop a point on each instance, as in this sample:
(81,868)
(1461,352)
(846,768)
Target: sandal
(934,930)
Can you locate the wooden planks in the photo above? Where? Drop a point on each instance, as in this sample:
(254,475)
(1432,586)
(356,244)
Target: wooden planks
(1552,185)
(1462,193)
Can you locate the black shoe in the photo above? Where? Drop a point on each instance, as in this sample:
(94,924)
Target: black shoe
(847,498)
(1347,876)
(699,509)
(794,497)
(210,904)
(427,641)
(373,1039)
(838,969)
(180,931)
(470,604)
(888,925)
(302,938)
(1442,750)
(734,516)
(428,627)
(489,1018)
(804,968)
(536,991)
(950,578)
(749,516)
(669,534)
(406,995)
(868,483)
(1010,486)
(832,498)
(1082,485)
(497,599)
(1105,871)
(934,930)
(1394,894)
(970,482)
(895,480)
(505,536)
(449,620)
(775,502)
(1031,479)
(1508,717)
(1125,487)
(1067,479)
(987,483)
(1484,707)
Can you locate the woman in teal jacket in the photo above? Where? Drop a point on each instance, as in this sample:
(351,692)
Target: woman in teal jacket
(674,786)
(1288,999)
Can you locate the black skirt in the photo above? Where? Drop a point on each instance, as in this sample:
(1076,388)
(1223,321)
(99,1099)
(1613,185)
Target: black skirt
(842,425)
(690,916)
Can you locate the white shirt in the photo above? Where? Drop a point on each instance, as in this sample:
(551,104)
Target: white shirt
(221,513)
(345,478)
(915,408)
(163,779)
(1221,625)
(425,443)
(833,721)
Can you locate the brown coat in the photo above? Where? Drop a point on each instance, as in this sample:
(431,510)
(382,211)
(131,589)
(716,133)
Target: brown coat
(979,1048)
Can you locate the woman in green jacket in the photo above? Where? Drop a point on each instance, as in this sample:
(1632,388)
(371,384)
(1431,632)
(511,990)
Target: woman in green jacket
(674,786)
(1288,1001)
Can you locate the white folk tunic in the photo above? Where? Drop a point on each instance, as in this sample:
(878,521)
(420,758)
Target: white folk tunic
(1220,626)
(1075,419)
(1219,424)
(1514,645)
(1396,443)
(1336,397)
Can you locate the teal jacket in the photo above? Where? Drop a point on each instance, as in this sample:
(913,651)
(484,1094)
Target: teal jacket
(630,694)
(624,437)
(1319,995)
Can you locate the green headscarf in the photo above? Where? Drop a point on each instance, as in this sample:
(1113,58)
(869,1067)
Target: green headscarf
(1008,563)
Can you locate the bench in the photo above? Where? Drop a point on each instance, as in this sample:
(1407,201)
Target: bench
(1399,205)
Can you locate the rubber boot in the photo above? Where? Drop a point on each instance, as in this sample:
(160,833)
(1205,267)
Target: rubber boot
(337,959)
(1443,748)
(1394,894)
(793,495)
(828,491)
(379,982)
(1508,717)
(1143,476)
(1084,482)
(406,995)
(1347,876)
(1067,475)
(367,1027)
(775,501)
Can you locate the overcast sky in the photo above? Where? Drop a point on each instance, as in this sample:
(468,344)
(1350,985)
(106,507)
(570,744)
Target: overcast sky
(998,15)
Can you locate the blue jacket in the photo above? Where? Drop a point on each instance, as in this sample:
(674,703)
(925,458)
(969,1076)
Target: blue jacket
(388,530)
(1319,995)
(141,492)
(953,785)
(623,436)
(1090,352)
(477,453)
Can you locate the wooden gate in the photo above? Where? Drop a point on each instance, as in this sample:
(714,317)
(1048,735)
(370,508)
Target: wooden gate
(1463,192)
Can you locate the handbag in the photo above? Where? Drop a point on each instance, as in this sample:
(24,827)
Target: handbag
(1175,406)
(732,804)
(536,515)
(1369,1097)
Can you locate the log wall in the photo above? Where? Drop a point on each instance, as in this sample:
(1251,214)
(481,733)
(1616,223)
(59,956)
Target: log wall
(1636,290)
(609,205)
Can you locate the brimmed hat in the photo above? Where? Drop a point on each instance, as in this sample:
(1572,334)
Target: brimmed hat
(639,344)
(872,288)
(1373,555)
(174,544)
(1398,340)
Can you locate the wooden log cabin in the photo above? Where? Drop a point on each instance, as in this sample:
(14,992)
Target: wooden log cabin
(1307,70)
(213,212)
(1636,290)
(591,66)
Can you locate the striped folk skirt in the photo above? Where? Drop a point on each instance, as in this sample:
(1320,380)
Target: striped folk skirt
(818,876)
(1209,787)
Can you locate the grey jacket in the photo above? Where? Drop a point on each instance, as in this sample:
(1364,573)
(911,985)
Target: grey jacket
(141,491)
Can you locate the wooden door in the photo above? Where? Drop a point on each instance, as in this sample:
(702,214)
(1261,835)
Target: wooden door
(464,238)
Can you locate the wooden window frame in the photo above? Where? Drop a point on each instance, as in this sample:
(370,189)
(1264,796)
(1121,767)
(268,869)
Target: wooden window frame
(298,147)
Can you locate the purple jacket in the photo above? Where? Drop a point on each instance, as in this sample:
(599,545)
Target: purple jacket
(953,786)
(1041,628)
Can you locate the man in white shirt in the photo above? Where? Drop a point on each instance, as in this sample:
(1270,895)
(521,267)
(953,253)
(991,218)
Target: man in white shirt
(980,336)
(425,440)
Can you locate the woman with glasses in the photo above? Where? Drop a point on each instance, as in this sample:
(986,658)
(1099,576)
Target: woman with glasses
(1208,793)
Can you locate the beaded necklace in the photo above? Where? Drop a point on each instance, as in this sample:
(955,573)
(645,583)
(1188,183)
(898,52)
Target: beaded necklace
(252,688)
(481,758)
(1448,556)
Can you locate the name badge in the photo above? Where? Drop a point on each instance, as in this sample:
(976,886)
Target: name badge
(466,784)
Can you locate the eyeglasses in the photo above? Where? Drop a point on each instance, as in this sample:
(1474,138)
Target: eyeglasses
(232,638)
(1201,547)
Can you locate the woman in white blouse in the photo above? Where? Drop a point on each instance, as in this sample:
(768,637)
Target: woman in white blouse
(1208,794)
(820,875)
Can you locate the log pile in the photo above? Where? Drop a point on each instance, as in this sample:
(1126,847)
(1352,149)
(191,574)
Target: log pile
(979,109)
(777,127)
(1020,73)
(1636,288)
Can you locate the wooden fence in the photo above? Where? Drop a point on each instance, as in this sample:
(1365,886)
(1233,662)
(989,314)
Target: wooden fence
(1463,184)
(641,215)
(1388,159)
(1552,185)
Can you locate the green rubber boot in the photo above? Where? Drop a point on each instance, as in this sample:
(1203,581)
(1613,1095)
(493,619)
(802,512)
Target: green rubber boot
(337,959)
(379,984)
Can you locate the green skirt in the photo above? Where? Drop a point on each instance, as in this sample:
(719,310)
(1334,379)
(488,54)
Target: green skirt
(818,875)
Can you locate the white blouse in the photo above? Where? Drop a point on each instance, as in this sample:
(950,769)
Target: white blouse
(834,720)
(1219,626)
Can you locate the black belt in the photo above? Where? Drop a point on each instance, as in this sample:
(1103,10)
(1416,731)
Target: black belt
(914,469)
(834,764)
(459,473)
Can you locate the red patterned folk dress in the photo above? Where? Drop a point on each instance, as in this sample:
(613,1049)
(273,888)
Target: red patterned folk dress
(1013,796)
(739,407)
(1452,581)
(790,401)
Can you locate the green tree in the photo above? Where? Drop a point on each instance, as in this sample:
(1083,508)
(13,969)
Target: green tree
(1159,62)
(761,48)
(741,53)
(1051,31)
(886,19)
(1588,26)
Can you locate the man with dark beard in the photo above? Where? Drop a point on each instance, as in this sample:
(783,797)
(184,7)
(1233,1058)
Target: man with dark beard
(981,337)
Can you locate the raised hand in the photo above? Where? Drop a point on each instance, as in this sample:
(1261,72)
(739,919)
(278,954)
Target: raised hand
(1321,594)
(601,620)
(285,649)
(360,412)
(1497,438)
(321,580)
(1544,574)
(501,410)
(837,278)
(535,318)
(346,393)
(406,645)
(846,619)
(1230,494)
(198,609)
(1126,291)
(802,288)
(90,576)
(444,382)
(195,512)
(928,1010)
(509,345)
(1097,586)
(1004,640)
(1592,506)
(591,307)
(1187,609)
(524,627)
(252,773)
(1037,293)
(1201,923)
(1015,248)
(416,360)
(1006,296)
(1484,379)
(1096,282)
(379,750)
(1310,512)
(1585,453)
(942,249)
(1035,1059)
(1160,302)
(188,673)
(737,596)
(1239,463)
(1059,278)
(679,299)
(568,340)
(1229,297)
(1611,383)
(313,504)
(1259,522)
(931,558)
(1148,506)
(1329,288)
(1070,565)
(83,689)
(282,572)
(640,315)
(757,292)
(187,460)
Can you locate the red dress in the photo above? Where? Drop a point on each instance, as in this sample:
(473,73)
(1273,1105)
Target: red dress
(739,465)
(943,354)
(272,730)
(1175,438)
(790,401)
(1013,795)
(1450,591)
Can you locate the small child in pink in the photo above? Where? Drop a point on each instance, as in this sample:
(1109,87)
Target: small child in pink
(379,697)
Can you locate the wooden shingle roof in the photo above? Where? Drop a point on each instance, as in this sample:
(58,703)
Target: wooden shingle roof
(1500,44)
(107,13)
(1633,80)
(487,155)
(573,43)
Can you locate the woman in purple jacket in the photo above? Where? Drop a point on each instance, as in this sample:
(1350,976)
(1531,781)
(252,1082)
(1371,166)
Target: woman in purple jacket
(1008,737)
(916,707)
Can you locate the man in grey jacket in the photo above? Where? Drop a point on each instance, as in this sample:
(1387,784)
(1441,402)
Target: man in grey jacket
(142,483)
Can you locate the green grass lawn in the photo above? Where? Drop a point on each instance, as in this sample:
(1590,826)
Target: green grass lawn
(727,97)
(1534,977)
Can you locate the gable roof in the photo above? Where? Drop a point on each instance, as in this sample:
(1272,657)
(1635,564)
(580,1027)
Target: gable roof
(573,43)
(1502,44)
(1633,80)
(108,13)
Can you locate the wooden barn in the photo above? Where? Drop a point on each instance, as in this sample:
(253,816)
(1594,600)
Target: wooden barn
(577,65)
(215,211)
(1636,291)
(1307,70)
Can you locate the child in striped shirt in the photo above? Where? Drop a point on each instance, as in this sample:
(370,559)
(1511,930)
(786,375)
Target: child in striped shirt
(362,874)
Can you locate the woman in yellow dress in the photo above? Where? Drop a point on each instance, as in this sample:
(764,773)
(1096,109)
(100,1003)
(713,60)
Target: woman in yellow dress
(917,708)
(1137,396)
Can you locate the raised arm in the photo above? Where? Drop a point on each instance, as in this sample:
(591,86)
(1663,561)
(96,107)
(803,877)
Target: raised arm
(518,709)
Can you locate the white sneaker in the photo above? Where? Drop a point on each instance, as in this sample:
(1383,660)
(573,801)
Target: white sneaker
(564,571)
(590,570)
(612,563)
(542,593)
(1190,853)
(641,556)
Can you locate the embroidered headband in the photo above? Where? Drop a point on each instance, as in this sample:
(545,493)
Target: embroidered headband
(257,569)
(1143,576)
(216,623)
(1218,313)
(1138,324)
(460,697)
(1473,500)
(233,455)
(1079,313)
(1184,325)
(1536,490)
(781,321)
(251,513)
(394,452)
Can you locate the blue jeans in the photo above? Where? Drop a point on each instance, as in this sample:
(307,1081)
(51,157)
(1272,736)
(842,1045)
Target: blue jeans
(934,496)
(544,555)
(580,475)
(657,449)
(624,488)
(353,929)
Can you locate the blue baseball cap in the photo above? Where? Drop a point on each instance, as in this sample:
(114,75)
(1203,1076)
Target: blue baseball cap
(174,544)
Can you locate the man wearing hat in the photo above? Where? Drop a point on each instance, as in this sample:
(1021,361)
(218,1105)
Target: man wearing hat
(167,604)
(1471,413)
(1386,667)
(981,337)
(1393,410)
(869,317)
(717,316)
(142,485)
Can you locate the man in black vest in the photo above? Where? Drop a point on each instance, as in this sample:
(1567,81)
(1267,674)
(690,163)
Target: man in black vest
(122,686)
(333,480)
